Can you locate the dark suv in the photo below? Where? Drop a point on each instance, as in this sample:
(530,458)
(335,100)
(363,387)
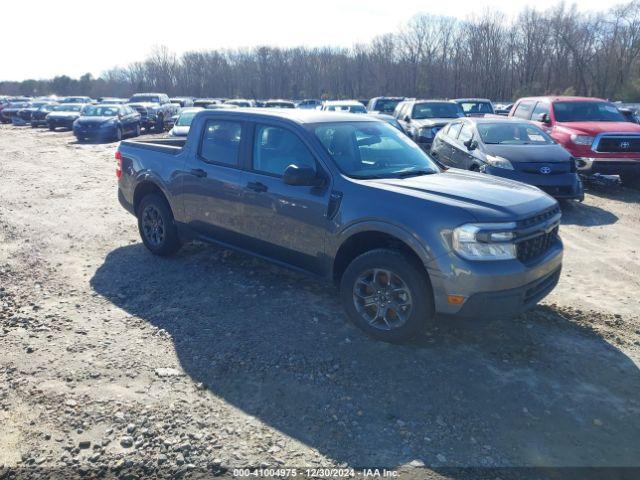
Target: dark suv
(422,119)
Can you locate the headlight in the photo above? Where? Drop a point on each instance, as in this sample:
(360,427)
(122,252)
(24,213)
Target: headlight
(582,139)
(499,162)
(485,241)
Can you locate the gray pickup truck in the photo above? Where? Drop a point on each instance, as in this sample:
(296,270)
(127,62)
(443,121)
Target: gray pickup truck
(155,110)
(351,199)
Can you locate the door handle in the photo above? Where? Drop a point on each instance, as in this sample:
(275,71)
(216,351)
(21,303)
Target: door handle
(198,172)
(257,186)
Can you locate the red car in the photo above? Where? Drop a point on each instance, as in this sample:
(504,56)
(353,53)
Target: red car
(593,130)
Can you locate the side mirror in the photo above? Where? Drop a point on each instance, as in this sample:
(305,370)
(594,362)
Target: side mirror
(471,144)
(543,117)
(300,176)
(407,118)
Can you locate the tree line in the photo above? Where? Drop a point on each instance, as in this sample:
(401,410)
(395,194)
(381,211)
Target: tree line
(555,51)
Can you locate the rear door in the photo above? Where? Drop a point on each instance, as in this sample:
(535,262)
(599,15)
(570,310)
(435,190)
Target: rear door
(451,138)
(288,223)
(214,181)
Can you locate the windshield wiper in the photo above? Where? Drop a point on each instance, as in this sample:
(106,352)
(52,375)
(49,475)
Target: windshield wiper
(414,173)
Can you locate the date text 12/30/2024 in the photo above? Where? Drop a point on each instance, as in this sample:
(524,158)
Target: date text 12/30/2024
(314,473)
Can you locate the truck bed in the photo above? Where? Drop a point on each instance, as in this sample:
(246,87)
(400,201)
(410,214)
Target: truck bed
(171,146)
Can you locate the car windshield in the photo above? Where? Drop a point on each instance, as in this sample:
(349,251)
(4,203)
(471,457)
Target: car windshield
(386,105)
(67,108)
(144,99)
(474,108)
(373,150)
(185,119)
(74,99)
(512,134)
(436,110)
(99,111)
(586,112)
(18,105)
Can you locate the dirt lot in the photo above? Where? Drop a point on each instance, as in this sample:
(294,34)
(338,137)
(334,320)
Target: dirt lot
(113,360)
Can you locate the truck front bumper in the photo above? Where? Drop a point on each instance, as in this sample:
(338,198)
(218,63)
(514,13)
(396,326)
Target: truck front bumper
(493,289)
(608,166)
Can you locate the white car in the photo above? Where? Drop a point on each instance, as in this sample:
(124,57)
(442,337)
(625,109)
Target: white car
(183,122)
(351,106)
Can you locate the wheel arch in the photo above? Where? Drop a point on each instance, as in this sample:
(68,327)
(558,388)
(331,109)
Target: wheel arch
(147,187)
(364,237)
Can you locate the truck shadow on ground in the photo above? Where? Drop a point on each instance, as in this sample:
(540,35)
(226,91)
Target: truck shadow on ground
(537,390)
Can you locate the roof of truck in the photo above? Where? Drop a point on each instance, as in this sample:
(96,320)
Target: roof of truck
(563,98)
(301,116)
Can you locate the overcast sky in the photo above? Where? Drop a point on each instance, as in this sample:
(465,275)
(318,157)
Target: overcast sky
(44,38)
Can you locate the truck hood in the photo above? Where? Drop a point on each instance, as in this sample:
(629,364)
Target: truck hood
(487,198)
(144,104)
(431,122)
(530,153)
(594,128)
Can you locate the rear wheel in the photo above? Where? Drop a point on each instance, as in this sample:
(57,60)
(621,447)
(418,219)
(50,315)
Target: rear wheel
(387,295)
(52,128)
(157,227)
(137,131)
(118,134)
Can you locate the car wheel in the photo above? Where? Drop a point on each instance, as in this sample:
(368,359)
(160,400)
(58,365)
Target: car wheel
(387,295)
(52,128)
(138,130)
(159,127)
(631,180)
(118,134)
(157,227)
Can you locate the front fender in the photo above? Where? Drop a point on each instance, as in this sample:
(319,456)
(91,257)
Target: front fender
(410,238)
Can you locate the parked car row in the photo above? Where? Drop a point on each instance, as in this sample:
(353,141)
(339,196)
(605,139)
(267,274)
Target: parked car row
(544,141)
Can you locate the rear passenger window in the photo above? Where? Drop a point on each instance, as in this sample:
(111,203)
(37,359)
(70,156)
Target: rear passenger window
(523,110)
(276,148)
(221,142)
(454,130)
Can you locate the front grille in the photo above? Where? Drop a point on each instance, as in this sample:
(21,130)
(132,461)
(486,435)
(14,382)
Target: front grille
(539,218)
(618,144)
(552,168)
(532,248)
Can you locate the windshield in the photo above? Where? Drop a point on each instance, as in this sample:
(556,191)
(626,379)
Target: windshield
(279,105)
(74,100)
(185,119)
(144,99)
(373,150)
(67,108)
(436,110)
(476,108)
(586,112)
(512,134)
(18,105)
(386,105)
(99,111)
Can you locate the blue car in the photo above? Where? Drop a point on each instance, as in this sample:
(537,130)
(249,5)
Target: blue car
(106,122)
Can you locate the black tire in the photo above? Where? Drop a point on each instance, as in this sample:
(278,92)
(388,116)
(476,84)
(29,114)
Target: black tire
(163,241)
(52,128)
(631,180)
(118,137)
(418,311)
(159,126)
(138,131)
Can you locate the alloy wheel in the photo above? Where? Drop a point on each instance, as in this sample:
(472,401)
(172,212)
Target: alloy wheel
(153,226)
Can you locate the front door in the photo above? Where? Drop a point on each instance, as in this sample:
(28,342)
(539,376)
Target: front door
(289,223)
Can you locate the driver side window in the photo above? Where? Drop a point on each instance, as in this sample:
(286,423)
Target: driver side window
(275,148)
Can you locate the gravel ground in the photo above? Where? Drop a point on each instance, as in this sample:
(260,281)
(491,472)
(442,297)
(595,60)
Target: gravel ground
(119,363)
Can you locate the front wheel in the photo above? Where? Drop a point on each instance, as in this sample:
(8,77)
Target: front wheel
(157,227)
(118,134)
(138,131)
(387,295)
(159,124)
